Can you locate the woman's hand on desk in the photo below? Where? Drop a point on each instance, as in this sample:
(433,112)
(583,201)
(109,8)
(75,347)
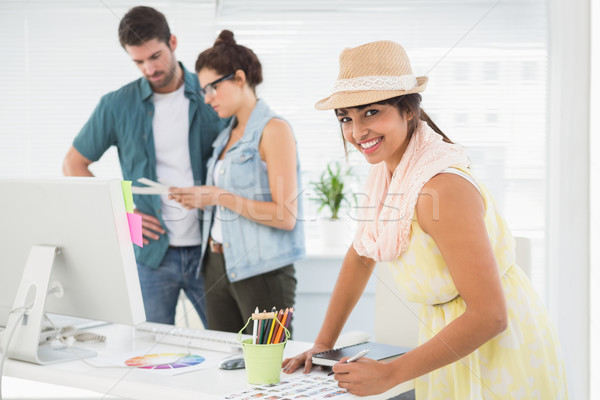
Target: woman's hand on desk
(289,365)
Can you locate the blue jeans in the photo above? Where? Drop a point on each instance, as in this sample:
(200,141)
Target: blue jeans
(161,286)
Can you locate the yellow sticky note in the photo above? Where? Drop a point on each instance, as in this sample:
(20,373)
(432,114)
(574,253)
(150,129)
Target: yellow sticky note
(126,185)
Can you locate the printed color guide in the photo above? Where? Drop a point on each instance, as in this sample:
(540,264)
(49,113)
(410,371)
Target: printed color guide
(165,361)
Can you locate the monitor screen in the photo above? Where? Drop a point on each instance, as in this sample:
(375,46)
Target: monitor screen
(86,220)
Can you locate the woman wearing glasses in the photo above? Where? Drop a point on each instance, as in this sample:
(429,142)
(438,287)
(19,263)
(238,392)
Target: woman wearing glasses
(251,231)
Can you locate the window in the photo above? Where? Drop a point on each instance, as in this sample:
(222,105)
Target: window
(486,61)
(487,90)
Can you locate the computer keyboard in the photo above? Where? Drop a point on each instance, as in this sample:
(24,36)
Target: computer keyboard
(202,339)
(60,321)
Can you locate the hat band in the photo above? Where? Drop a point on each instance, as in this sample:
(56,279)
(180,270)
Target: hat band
(402,82)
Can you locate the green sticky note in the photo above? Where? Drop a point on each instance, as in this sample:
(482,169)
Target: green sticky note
(126,185)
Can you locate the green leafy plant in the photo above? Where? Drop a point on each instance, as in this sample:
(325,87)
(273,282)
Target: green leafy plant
(330,188)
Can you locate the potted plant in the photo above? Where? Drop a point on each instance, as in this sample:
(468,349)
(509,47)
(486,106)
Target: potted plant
(331,192)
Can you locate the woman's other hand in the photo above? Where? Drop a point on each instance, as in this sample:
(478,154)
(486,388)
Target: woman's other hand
(195,196)
(364,377)
(289,365)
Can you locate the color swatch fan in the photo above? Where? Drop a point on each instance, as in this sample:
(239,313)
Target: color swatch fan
(165,361)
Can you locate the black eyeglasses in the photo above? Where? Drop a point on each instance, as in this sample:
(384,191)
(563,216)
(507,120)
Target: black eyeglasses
(210,89)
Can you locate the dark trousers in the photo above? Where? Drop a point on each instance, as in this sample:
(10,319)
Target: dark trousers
(230,304)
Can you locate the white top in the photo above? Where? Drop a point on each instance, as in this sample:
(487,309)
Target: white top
(216,231)
(171,143)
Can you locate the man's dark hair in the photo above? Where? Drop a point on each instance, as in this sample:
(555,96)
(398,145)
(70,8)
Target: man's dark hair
(142,24)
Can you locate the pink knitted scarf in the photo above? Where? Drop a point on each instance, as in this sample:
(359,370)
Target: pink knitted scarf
(385,215)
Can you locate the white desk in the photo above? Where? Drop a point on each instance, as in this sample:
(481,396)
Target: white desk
(211,383)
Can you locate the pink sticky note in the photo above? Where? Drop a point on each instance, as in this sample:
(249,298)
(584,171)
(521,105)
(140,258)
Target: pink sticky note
(135,228)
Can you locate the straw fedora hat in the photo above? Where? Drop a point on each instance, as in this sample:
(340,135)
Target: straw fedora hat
(370,73)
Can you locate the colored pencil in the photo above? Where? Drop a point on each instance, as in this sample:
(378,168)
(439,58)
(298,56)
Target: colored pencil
(278,327)
(255,329)
(289,318)
(263,331)
(267,329)
(273,322)
(259,331)
(281,331)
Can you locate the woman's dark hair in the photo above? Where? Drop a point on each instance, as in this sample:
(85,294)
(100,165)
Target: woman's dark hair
(142,24)
(411,104)
(226,57)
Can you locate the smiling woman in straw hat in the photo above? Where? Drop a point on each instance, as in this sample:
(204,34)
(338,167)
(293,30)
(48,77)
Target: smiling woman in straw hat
(485,334)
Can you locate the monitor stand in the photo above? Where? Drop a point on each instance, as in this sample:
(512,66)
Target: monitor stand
(20,339)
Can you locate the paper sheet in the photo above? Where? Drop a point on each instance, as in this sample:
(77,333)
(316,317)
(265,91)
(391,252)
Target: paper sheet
(149,190)
(151,187)
(158,363)
(300,386)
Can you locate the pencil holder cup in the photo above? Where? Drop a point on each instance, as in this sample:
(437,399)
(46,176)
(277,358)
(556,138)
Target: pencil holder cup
(263,361)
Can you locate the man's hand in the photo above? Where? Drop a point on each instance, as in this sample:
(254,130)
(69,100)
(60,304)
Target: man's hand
(151,227)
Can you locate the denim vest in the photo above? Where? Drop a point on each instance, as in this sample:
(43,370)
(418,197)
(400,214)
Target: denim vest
(250,248)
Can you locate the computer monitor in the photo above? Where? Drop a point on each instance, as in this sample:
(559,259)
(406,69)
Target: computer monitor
(70,237)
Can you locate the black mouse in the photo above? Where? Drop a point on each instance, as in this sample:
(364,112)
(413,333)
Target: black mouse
(235,361)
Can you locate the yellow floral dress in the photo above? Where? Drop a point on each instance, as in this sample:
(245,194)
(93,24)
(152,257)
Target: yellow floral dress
(523,362)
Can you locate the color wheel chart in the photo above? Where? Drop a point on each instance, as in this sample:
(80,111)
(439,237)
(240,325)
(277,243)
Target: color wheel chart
(164,361)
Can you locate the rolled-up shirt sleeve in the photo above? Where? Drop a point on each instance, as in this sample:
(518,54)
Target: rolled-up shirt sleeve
(98,133)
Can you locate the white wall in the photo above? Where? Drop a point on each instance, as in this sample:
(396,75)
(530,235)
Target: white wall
(595,200)
(316,277)
(568,186)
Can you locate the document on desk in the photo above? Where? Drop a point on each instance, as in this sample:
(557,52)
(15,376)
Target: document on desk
(310,386)
(163,363)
